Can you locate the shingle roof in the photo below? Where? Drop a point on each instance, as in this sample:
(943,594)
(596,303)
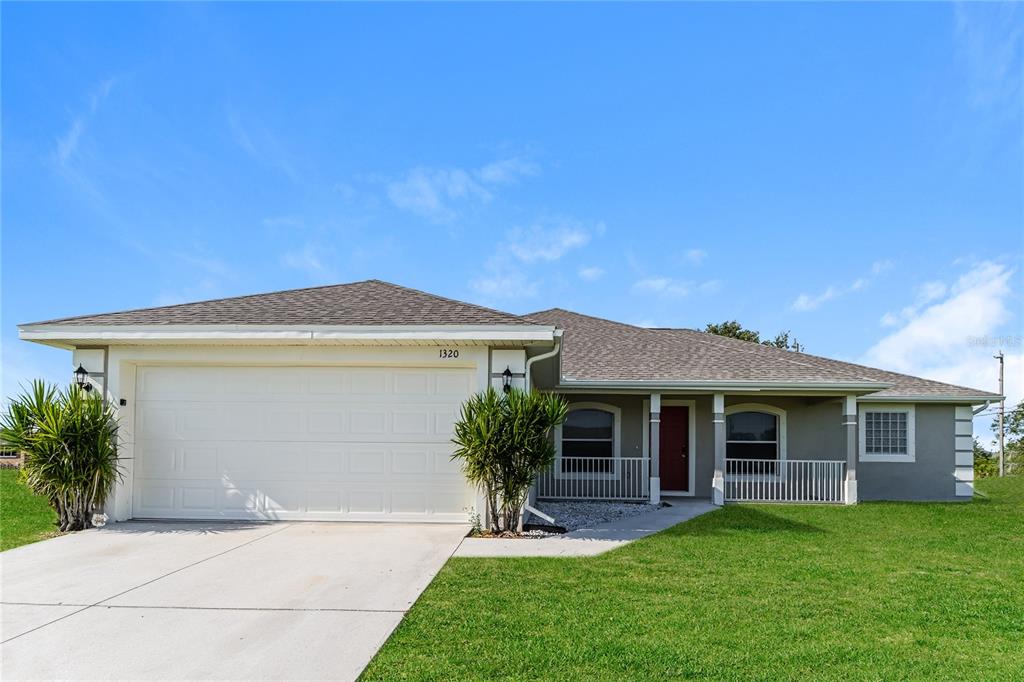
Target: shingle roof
(371,302)
(595,349)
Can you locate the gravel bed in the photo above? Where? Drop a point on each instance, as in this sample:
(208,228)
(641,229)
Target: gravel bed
(575,515)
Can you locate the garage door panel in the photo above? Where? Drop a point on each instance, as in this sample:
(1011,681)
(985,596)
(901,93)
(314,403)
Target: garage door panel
(299,443)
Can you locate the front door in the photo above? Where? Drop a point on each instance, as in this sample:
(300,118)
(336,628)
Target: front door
(675,442)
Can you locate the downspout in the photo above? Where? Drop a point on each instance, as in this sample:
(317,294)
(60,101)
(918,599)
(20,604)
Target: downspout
(531,496)
(982,408)
(543,356)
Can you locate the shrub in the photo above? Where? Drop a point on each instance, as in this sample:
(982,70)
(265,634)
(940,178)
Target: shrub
(504,442)
(68,439)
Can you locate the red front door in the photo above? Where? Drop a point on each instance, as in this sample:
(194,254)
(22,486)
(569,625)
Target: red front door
(675,442)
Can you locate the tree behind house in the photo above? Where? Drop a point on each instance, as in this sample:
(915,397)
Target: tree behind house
(735,330)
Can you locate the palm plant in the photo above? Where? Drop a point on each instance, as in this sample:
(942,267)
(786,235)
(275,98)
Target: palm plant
(504,442)
(68,439)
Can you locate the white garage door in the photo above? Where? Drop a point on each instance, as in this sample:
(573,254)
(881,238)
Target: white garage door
(316,443)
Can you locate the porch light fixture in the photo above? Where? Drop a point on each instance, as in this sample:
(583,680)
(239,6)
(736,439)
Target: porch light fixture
(82,379)
(506,379)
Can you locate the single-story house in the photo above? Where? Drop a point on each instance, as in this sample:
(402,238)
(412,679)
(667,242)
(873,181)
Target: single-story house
(337,403)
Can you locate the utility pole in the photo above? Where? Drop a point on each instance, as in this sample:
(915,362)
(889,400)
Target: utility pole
(1002,409)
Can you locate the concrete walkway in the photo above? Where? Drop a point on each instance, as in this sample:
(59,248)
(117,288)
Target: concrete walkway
(590,541)
(144,601)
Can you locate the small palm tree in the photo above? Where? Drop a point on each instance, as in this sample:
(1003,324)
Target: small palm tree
(68,439)
(504,442)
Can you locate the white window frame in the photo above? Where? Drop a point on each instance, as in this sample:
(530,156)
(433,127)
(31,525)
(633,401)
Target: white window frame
(863,455)
(779,414)
(616,471)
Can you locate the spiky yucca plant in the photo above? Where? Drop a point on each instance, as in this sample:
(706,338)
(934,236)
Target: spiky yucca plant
(504,442)
(68,439)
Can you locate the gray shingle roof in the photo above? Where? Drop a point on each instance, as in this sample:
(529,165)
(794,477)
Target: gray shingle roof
(371,302)
(595,349)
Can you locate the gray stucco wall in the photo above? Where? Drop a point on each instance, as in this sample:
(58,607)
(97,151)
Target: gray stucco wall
(814,431)
(930,475)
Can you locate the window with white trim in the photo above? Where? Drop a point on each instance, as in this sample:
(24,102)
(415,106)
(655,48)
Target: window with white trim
(755,439)
(886,433)
(588,440)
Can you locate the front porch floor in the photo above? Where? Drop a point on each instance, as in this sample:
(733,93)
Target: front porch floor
(591,541)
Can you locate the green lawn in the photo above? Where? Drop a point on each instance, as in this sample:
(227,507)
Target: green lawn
(873,591)
(24,517)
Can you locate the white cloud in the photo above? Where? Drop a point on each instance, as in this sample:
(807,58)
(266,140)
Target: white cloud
(540,242)
(308,260)
(669,287)
(954,337)
(924,294)
(501,282)
(505,171)
(261,144)
(428,192)
(695,256)
(591,273)
(807,302)
(438,193)
(67,144)
(512,272)
(988,39)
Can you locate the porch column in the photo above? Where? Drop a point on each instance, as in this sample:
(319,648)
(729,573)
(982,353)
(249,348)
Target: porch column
(718,417)
(655,450)
(850,426)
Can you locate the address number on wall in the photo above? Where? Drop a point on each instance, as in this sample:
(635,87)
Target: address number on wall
(449,353)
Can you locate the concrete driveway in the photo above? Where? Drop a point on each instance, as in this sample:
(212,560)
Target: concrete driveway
(213,600)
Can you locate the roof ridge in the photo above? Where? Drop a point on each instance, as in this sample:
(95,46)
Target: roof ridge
(290,292)
(205,300)
(590,317)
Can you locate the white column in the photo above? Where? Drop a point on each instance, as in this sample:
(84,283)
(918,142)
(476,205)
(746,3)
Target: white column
(718,417)
(655,450)
(850,426)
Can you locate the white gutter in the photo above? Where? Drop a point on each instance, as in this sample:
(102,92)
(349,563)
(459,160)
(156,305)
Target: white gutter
(711,384)
(183,333)
(543,356)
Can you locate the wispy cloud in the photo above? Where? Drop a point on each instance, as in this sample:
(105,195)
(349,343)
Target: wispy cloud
(261,144)
(506,171)
(989,39)
(695,256)
(807,302)
(430,192)
(438,194)
(591,273)
(513,270)
(543,241)
(309,259)
(669,287)
(924,294)
(67,144)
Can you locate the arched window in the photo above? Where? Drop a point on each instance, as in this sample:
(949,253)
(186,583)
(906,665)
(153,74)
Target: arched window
(588,441)
(756,432)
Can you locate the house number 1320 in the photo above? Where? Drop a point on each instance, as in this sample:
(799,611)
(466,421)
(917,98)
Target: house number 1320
(449,353)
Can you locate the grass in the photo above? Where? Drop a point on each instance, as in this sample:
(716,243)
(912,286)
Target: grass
(24,516)
(874,591)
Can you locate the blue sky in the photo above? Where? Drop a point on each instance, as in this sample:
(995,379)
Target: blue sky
(850,172)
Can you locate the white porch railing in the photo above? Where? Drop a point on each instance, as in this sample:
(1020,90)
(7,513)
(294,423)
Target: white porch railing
(596,478)
(802,480)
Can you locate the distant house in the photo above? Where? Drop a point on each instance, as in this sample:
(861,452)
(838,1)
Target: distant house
(337,403)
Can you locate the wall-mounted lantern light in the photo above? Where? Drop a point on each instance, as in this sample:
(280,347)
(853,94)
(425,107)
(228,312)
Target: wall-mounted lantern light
(82,378)
(506,379)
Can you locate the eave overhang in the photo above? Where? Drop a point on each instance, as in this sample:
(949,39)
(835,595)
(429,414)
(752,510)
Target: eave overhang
(72,336)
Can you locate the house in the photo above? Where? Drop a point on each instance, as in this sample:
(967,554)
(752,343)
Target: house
(337,403)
